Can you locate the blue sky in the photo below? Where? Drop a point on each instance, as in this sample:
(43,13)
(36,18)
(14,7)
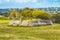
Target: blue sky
(29,3)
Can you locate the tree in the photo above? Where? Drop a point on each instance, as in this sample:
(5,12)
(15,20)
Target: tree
(41,14)
(14,14)
(57,17)
(6,14)
(27,13)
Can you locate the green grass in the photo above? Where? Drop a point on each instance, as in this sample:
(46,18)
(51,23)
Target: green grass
(51,32)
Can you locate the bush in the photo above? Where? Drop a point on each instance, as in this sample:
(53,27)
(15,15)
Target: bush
(3,18)
(57,19)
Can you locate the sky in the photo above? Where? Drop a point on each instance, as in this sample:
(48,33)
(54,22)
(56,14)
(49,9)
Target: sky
(29,3)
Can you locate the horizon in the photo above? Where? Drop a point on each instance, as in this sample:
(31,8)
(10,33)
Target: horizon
(29,7)
(29,3)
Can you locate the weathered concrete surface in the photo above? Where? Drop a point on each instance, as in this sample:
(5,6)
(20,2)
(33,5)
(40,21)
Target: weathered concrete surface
(33,22)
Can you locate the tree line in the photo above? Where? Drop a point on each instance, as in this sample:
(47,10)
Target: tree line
(30,13)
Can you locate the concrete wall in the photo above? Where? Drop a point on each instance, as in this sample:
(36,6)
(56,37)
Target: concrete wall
(34,22)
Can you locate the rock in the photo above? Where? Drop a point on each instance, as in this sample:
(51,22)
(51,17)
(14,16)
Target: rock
(25,23)
(15,22)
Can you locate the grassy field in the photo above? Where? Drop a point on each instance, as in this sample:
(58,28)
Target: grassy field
(51,32)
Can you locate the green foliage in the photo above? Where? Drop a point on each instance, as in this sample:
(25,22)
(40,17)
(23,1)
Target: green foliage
(35,13)
(57,17)
(28,13)
(3,18)
(41,14)
(14,14)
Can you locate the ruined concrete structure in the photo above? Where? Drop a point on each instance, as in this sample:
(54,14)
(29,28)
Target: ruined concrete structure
(33,22)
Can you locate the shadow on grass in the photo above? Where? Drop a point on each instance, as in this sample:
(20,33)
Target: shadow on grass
(28,26)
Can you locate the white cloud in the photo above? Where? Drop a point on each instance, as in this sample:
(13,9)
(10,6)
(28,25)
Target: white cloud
(7,0)
(24,1)
(0,1)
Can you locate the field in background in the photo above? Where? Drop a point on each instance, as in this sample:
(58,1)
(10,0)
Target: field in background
(51,32)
